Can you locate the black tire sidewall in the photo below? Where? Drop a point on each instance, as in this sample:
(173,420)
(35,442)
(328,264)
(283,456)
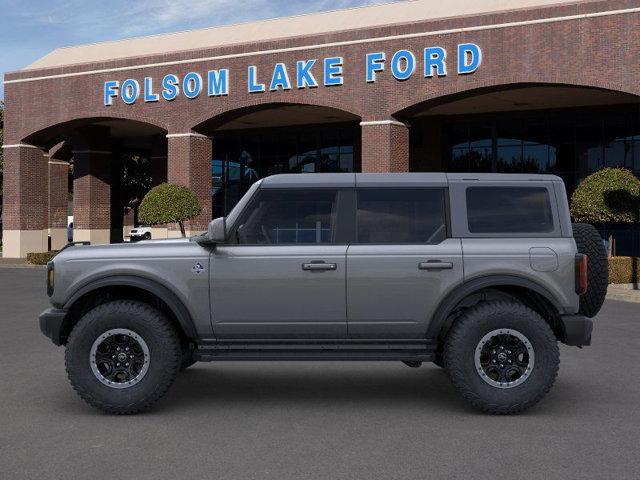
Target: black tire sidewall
(467,333)
(150,325)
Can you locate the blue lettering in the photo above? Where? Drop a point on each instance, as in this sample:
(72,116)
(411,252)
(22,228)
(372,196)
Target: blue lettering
(192,84)
(130,91)
(170,87)
(254,87)
(434,58)
(333,71)
(110,92)
(375,63)
(403,64)
(149,96)
(280,78)
(469,58)
(218,81)
(304,77)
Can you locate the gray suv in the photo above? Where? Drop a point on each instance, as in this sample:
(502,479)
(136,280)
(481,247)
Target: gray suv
(482,275)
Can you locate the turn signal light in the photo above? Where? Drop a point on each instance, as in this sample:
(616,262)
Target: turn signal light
(581,274)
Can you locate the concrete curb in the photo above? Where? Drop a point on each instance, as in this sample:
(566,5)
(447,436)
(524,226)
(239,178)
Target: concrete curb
(623,293)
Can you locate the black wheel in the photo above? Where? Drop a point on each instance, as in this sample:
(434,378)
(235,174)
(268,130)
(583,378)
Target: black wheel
(123,356)
(502,357)
(589,242)
(147,236)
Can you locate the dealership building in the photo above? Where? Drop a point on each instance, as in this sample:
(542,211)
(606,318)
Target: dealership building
(544,86)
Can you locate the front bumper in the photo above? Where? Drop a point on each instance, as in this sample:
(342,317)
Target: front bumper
(51,323)
(576,330)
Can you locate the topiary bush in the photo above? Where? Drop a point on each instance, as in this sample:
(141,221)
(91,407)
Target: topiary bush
(609,195)
(169,203)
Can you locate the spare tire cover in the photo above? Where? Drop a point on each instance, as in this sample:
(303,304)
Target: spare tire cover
(590,243)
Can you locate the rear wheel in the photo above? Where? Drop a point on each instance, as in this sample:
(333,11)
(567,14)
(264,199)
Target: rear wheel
(502,357)
(123,356)
(589,242)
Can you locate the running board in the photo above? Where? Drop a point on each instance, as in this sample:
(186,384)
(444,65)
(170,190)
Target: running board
(317,351)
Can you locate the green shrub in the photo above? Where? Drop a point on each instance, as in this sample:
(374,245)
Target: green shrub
(609,195)
(621,270)
(41,258)
(169,203)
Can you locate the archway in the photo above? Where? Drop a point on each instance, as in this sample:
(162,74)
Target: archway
(261,140)
(111,164)
(564,130)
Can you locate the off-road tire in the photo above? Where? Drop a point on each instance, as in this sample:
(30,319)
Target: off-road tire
(589,242)
(165,356)
(466,334)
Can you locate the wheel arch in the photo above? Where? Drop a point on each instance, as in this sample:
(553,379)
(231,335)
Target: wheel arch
(530,292)
(131,287)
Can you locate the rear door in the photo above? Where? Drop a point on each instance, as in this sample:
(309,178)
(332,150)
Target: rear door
(401,263)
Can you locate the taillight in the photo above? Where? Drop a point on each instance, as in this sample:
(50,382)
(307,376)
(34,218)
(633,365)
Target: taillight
(51,277)
(581,274)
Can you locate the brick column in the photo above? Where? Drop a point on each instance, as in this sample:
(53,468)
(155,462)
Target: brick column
(58,191)
(189,164)
(385,146)
(25,200)
(92,184)
(158,160)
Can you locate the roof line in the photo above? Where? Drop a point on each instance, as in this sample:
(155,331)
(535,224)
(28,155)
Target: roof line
(334,44)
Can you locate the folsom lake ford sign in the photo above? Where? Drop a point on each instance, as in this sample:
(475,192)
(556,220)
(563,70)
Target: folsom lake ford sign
(309,73)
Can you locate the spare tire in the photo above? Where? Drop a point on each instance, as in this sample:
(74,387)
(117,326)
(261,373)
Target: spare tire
(590,243)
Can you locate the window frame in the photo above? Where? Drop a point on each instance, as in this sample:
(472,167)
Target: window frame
(445,205)
(342,205)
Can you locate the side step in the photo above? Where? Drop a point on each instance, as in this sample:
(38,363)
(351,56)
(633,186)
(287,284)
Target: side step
(412,351)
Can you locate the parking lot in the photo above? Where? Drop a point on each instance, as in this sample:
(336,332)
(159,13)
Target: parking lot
(315,420)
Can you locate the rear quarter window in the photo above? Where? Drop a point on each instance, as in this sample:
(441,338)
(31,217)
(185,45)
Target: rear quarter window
(509,210)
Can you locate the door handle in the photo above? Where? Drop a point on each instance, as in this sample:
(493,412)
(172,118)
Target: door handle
(435,265)
(319,266)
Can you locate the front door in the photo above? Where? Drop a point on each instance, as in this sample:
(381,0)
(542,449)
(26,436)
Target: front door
(283,273)
(402,262)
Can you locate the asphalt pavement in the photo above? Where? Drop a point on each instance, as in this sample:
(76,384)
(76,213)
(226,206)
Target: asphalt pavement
(304,420)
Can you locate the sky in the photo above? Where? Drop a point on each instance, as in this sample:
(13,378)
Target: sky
(29,29)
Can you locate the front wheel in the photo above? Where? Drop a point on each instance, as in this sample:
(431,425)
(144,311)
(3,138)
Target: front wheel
(123,356)
(502,357)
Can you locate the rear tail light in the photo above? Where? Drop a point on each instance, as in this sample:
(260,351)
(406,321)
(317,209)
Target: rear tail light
(582,281)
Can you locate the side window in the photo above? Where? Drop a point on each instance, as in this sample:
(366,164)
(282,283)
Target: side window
(509,210)
(289,216)
(401,215)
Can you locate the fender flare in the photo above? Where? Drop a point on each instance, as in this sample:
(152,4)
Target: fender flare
(165,294)
(474,285)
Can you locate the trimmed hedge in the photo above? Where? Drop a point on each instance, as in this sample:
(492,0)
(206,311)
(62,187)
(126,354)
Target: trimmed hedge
(621,270)
(609,195)
(40,258)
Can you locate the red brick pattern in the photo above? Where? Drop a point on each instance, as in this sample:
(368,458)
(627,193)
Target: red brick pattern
(92,190)
(385,148)
(189,164)
(25,189)
(58,188)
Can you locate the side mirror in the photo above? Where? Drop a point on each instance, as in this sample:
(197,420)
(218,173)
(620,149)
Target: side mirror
(217,231)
